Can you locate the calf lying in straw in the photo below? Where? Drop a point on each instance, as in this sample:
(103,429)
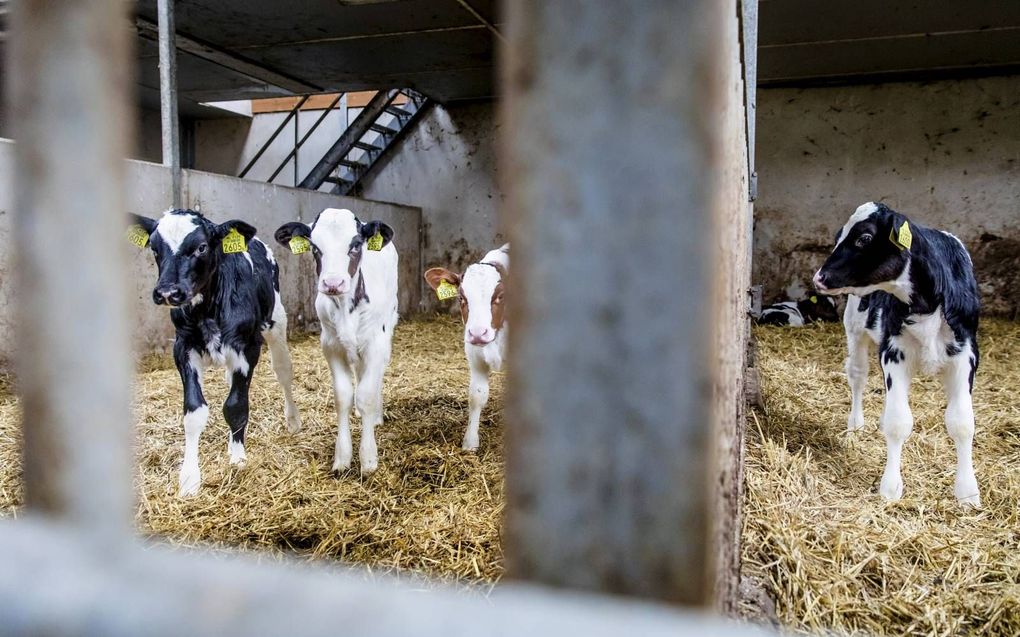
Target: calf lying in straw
(481,291)
(912,292)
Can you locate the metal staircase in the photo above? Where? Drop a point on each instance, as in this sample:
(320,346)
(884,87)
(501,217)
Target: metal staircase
(376,129)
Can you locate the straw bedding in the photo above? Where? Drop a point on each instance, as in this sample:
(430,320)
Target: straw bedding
(821,540)
(430,507)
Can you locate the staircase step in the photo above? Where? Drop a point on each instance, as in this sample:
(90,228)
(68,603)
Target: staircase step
(372,148)
(384,130)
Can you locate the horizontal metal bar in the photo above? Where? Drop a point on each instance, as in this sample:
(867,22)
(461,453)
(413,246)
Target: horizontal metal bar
(355,165)
(384,130)
(147,29)
(367,147)
(338,181)
(53,584)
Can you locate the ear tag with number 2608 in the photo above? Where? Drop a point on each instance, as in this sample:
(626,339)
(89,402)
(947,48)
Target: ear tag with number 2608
(446,290)
(234,242)
(375,242)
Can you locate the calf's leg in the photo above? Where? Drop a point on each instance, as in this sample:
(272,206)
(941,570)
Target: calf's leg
(897,419)
(279,355)
(241,367)
(196,415)
(478,396)
(370,401)
(956,380)
(343,391)
(857,375)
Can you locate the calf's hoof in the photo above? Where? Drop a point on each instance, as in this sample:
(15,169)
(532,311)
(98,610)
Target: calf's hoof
(891,488)
(855,422)
(967,494)
(293,420)
(235,450)
(469,444)
(341,465)
(189,482)
(369,465)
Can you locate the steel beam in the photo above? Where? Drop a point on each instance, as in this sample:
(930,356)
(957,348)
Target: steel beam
(170,124)
(609,210)
(70,102)
(361,125)
(232,61)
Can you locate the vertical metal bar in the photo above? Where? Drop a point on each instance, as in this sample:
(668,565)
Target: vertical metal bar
(294,152)
(70,105)
(168,97)
(609,210)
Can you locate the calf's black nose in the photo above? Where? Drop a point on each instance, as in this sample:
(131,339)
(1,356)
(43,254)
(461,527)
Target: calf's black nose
(171,295)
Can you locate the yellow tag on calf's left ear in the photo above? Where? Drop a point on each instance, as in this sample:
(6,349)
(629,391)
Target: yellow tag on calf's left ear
(138,236)
(375,242)
(904,238)
(234,242)
(814,299)
(299,245)
(446,290)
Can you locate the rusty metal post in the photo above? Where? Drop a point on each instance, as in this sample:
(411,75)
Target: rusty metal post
(70,95)
(608,150)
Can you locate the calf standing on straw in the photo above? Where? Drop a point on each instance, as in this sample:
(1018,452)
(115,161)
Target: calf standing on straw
(481,291)
(912,292)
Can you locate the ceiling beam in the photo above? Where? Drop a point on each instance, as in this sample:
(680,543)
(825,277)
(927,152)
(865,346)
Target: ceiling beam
(227,59)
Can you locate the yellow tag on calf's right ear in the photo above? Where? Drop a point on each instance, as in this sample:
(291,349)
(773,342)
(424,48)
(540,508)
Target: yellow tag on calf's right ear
(375,242)
(234,242)
(814,299)
(299,245)
(904,238)
(138,236)
(446,290)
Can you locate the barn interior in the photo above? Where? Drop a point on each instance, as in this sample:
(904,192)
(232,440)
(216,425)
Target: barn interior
(396,109)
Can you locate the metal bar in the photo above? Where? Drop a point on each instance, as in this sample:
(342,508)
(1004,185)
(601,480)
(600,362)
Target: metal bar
(749,53)
(298,144)
(226,59)
(342,146)
(70,99)
(420,104)
(169,122)
(610,375)
(272,138)
(52,586)
(478,16)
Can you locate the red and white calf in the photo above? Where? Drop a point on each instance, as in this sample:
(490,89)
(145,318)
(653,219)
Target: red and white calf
(481,291)
(357,308)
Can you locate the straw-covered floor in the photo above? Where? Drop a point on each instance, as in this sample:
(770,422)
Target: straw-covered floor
(822,541)
(430,507)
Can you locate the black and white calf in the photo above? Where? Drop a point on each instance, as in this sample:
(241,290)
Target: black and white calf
(357,307)
(912,292)
(223,303)
(481,291)
(799,313)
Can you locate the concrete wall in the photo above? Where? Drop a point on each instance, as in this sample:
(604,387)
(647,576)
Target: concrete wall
(221,198)
(945,153)
(447,165)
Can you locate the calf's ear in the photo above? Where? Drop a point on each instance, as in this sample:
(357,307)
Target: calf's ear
(370,229)
(246,229)
(288,231)
(435,276)
(149,225)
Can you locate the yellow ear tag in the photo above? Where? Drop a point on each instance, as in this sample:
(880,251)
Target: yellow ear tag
(299,245)
(234,242)
(138,236)
(375,242)
(904,238)
(814,299)
(446,290)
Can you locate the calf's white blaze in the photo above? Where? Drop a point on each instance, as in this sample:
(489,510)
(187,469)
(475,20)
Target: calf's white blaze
(332,235)
(174,229)
(478,284)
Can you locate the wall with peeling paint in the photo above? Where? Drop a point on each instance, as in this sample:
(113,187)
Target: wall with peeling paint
(945,153)
(447,166)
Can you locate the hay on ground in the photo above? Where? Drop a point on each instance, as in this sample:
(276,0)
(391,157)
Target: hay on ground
(831,551)
(430,507)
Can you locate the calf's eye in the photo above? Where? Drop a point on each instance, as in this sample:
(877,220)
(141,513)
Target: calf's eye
(863,240)
(202,249)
